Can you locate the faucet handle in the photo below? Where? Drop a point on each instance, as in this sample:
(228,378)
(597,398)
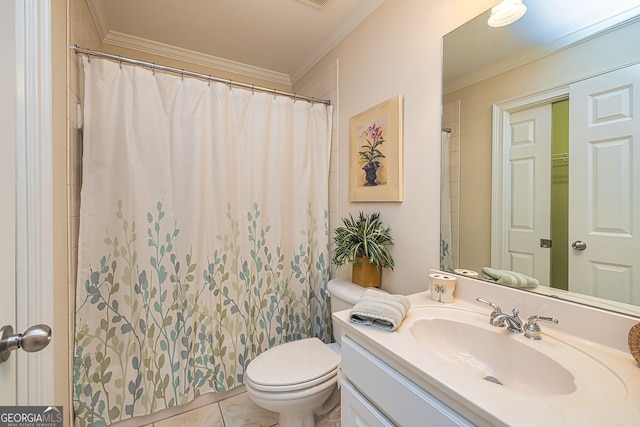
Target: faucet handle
(495,307)
(532,329)
(494,313)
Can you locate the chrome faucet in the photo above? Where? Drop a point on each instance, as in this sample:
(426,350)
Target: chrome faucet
(496,311)
(514,323)
(500,319)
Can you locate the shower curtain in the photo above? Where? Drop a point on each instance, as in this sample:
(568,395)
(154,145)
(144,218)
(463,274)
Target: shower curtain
(446,258)
(203,237)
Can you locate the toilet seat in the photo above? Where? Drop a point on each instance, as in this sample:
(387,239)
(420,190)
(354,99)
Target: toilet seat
(293,366)
(292,387)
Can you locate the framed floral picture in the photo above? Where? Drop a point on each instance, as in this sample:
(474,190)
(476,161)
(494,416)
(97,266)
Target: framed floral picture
(375,153)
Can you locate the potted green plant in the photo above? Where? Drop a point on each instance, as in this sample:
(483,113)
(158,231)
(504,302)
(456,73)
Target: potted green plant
(363,242)
(370,155)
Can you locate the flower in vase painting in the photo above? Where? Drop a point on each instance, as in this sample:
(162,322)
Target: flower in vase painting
(370,154)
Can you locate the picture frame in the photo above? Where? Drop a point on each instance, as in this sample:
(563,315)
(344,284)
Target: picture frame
(375,153)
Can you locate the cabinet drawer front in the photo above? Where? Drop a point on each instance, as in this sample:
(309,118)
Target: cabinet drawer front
(393,394)
(356,411)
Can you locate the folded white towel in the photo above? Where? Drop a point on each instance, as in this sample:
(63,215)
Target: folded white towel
(508,278)
(380,310)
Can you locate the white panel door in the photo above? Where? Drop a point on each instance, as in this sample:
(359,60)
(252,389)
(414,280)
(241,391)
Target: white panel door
(7,193)
(529,181)
(604,186)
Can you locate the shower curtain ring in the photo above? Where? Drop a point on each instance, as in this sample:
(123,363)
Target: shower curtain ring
(253,92)
(209,81)
(120,62)
(153,70)
(182,75)
(274,93)
(230,84)
(295,97)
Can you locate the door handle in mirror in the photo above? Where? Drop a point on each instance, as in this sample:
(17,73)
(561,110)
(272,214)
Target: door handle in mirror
(579,245)
(35,338)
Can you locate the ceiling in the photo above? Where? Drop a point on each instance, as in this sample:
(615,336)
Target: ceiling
(548,25)
(274,40)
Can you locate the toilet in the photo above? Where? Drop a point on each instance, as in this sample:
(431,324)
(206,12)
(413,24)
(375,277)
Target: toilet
(298,379)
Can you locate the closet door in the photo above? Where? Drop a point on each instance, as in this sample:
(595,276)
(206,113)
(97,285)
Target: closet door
(529,202)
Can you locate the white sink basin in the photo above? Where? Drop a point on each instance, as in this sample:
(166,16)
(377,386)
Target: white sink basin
(494,378)
(462,347)
(492,356)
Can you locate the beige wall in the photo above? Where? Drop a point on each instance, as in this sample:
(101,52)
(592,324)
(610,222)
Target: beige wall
(397,50)
(608,52)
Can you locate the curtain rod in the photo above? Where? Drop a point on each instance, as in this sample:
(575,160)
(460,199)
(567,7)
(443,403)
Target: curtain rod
(207,77)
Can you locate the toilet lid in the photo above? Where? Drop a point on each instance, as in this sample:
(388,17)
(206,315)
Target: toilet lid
(294,363)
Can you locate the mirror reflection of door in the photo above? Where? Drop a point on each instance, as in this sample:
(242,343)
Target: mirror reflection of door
(604,153)
(576,160)
(529,176)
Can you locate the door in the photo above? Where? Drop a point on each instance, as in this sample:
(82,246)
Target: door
(7,192)
(604,153)
(529,181)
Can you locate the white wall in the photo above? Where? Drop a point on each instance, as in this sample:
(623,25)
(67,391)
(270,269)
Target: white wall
(398,50)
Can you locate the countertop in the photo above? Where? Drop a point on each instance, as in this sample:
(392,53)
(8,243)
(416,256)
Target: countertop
(608,397)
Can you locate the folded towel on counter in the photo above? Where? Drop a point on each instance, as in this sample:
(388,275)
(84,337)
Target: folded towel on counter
(380,310)
(508,278)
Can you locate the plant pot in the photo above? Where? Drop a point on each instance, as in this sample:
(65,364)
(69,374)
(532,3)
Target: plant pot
(365,274)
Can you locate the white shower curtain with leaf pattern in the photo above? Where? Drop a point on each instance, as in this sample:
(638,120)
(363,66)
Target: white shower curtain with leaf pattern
(203,237)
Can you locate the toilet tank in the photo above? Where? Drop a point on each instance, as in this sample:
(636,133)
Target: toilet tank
(344,295)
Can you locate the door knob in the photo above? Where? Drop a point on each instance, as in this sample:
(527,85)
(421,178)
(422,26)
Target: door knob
(35,338)
(579,245)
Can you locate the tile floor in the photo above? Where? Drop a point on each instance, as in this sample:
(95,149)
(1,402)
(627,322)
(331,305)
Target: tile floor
(230,409)
(237,410)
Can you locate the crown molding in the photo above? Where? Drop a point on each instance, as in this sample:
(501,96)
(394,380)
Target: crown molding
(115,38)
(149,46)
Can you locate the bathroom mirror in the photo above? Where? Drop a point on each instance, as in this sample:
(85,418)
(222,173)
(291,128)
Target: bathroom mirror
(493,76)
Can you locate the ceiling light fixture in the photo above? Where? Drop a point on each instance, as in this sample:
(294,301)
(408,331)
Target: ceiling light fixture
(318,4)
(506,12)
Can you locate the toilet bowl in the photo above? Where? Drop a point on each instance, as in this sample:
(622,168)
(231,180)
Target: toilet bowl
(299,379)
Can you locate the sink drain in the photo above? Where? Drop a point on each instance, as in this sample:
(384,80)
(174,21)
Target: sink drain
(492,379)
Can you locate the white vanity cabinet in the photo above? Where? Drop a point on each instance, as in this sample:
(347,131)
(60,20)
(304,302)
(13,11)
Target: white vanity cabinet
(375,394)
